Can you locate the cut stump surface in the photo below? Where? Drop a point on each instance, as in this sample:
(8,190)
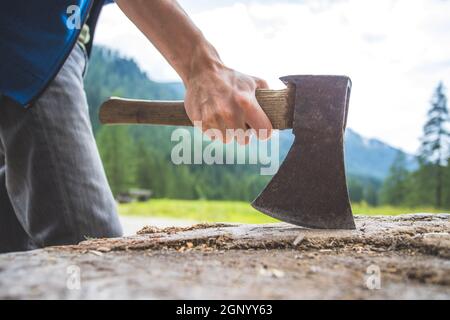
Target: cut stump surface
(391,257)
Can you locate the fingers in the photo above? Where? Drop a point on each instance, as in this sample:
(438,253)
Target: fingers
(230,112)
(235,121)
(256,118)
(227,130)
(216,125)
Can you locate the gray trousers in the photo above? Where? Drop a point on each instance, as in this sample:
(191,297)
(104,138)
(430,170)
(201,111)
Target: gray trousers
(53,188)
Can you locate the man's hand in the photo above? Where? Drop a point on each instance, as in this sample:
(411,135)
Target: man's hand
(222,99)
(219,97)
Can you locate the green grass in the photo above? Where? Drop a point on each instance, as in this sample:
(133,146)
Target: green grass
(230,211)
(199,210)
(364,209)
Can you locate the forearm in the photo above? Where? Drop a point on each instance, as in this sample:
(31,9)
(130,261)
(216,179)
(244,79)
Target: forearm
(217,97)
(173,33)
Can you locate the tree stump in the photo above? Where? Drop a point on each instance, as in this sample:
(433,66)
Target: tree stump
(389,257)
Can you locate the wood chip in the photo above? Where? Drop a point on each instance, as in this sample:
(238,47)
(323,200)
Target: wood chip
(299,239)
(277,273)
(97,253)
(271,272)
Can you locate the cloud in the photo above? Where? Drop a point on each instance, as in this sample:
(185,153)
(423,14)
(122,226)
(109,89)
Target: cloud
(394,51)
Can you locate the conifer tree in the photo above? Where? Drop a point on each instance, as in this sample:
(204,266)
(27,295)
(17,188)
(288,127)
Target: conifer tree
(435,141)
(395,187)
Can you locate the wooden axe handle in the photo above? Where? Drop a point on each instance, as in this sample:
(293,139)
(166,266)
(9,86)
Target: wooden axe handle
(277,104)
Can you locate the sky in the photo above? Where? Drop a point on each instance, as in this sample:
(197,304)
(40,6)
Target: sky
(395,51)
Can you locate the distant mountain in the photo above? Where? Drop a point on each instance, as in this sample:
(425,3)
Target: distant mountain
(111,74)
(364,157)
(371,157)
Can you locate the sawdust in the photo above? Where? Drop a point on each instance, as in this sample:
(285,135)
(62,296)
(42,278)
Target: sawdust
(172,230)
(156,243)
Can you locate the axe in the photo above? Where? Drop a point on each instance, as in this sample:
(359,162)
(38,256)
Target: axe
(310,188)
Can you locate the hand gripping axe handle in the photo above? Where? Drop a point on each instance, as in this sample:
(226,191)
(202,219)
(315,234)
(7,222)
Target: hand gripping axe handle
(310,188)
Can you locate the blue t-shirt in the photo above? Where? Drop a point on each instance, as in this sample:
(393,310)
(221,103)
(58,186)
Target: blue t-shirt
(36,37)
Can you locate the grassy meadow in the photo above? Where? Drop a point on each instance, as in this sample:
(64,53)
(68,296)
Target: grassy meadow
(231,211)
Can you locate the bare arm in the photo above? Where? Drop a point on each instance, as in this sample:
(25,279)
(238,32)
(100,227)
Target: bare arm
(216,95)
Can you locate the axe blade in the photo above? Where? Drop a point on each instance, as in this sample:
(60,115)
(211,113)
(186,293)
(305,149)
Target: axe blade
(310,188)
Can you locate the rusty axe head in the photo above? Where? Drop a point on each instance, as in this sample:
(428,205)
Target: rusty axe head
(310,188)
